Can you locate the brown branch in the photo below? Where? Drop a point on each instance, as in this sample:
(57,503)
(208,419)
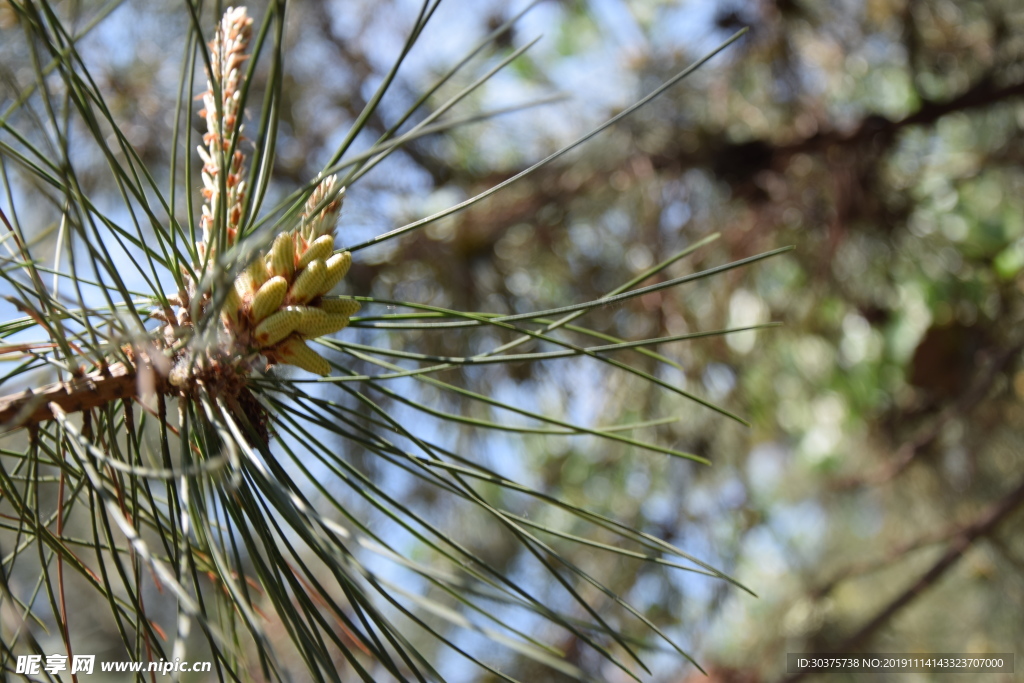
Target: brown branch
(984,525)
(981,94)
(895,553)
(739,163)
(981,527)
(97,388)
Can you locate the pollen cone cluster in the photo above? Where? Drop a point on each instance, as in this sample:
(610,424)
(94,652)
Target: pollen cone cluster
(279,301)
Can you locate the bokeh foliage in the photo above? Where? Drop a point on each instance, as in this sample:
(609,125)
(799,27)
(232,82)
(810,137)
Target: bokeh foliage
(883,139)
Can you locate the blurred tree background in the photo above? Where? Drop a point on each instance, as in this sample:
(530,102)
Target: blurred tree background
(872,504)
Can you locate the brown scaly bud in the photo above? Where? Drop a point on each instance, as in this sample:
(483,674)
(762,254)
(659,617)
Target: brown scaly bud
(316,223)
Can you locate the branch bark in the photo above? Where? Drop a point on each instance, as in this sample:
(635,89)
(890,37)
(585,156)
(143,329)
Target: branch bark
(984,525)
(97,388)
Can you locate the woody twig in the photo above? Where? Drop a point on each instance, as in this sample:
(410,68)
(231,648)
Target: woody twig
(93,390)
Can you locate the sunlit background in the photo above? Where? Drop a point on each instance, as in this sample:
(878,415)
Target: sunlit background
(872,502)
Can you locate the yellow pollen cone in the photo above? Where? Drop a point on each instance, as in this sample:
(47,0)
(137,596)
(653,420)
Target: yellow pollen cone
(309,283)
(311,318)
(281,260)
(276,327)
(295,352)
(257,271)
(321,248)
(269,298)
(232,304)
(325,323)
(244,287)
(346,307)
(337,266)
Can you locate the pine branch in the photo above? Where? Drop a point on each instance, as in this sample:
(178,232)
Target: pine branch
(984,525)
(95,389)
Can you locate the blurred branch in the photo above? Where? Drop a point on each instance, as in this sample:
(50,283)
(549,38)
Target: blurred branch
(984,525)
(981,94)
(742,161)
(894,554)
(739,163)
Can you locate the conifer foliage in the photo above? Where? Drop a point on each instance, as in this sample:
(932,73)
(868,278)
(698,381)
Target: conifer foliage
(184,468)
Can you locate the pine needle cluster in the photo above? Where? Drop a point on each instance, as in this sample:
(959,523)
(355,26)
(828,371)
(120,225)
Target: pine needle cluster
(176,472)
